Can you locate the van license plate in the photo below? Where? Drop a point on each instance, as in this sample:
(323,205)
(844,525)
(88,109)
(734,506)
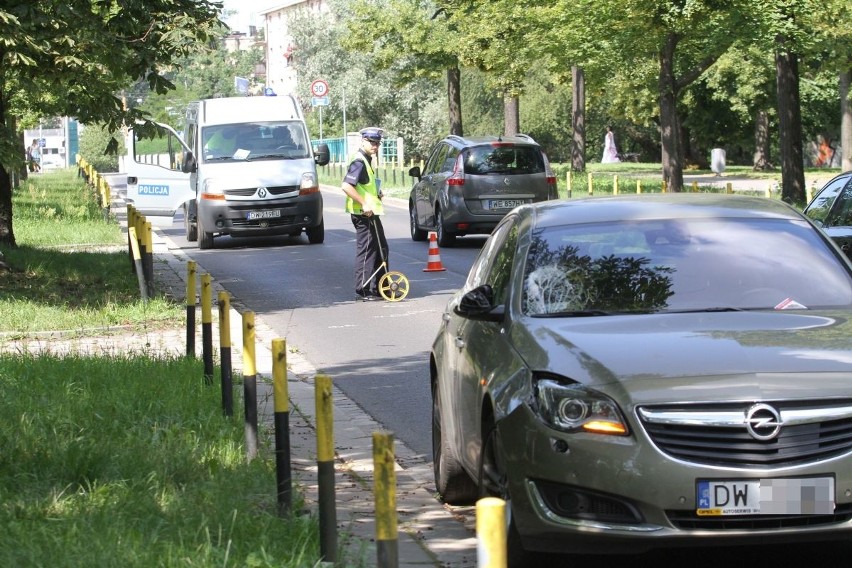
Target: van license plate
(505,203)
(254,215)
(792,496)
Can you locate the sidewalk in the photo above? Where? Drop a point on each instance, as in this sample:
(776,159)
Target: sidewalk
(429,534)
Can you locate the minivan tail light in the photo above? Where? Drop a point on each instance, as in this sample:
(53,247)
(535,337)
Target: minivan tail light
(457,177)
(549,175)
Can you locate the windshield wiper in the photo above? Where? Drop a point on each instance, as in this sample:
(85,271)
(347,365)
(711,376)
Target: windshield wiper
(703,310)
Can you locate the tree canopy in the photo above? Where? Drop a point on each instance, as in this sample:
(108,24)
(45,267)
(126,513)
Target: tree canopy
(73,58)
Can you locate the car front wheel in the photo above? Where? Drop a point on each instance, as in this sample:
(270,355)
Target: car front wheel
(453,483)
(417,234)
(316,235)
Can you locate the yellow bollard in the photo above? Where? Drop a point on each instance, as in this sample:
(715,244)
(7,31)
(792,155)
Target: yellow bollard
(694,186)
(149,256)
(250,385)
(769,190)
(190,308)
(638,186)
(325,469)
(615,184)
(568,182)
(225,353)
(664,188)
(728,188)
(808,194)
(590,183)
(491,533)
(207,327)
(281,401)
(384,489)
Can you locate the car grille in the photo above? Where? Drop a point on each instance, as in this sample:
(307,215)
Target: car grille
(273,190)
(718,435)
(273,222)
(689,520)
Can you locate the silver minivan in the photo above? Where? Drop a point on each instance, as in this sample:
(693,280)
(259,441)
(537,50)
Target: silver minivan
(469,184)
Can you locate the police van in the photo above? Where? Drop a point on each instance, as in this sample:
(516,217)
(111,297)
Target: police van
(252,169)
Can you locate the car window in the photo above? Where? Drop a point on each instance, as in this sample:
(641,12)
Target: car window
(841,214)
(483,271)
(689,264)
(820,206)
(436,160)
(503,159)
(450,159)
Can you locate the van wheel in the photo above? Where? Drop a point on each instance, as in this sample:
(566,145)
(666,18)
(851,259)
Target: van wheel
(205,239)
(417,234)
(189,227)
(316,235)
(445,239)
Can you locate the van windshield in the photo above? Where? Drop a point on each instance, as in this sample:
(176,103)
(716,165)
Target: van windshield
(255,141)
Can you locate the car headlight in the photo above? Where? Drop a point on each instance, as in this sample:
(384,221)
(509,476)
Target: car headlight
(213,187)
(575,408)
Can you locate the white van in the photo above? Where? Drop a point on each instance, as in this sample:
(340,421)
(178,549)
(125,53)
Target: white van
(252,169)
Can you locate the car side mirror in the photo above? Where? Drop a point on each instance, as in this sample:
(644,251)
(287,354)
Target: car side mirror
(415,172)
(189,163)
(478,304)
(321,155)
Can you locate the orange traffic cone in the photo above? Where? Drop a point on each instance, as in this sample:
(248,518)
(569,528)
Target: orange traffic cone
(433,263)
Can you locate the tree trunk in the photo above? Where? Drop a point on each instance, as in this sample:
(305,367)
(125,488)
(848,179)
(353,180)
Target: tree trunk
(761,142)
(7,234)
(845,121)
(669,123)
(789,124)
(578,119)
(511,114)
(454,96)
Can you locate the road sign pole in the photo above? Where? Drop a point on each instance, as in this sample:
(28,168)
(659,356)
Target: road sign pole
(320,123)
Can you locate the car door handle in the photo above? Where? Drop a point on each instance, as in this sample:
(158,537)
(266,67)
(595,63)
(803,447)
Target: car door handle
(459,342)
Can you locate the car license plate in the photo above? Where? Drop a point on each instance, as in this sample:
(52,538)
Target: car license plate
(505,203)
(254,215)
(791,496)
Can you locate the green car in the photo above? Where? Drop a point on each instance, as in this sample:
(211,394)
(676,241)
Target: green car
(640,372)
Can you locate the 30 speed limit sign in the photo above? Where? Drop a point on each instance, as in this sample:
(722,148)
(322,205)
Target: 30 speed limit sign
(319,88)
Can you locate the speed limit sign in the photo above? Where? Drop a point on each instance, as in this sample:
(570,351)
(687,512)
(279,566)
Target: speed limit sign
(319,88)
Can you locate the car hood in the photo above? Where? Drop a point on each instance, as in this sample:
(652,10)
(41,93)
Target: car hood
(257,173)
(671,350)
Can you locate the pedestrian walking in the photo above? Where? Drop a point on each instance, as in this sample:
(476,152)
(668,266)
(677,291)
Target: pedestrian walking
(34,156)
(364,205)
(610,153)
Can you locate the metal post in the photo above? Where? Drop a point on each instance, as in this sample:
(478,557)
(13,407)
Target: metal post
(190,308)
(250,385)
(384,489)
(282,425)
(207,327)
(325,469)
(225,352)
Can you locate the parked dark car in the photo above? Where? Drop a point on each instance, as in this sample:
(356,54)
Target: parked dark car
(469,184)
(650,371)
(831,209)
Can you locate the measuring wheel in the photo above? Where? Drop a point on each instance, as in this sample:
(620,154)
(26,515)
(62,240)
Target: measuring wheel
(393,286)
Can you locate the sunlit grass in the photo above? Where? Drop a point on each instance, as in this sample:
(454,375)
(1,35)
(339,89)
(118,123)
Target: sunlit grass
(114,461)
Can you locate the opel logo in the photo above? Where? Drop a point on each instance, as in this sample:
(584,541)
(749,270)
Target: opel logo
(763,422)
(261,192)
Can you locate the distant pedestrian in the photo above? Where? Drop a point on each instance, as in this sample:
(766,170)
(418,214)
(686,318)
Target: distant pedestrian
(610,153)
(34,156)
(364,205)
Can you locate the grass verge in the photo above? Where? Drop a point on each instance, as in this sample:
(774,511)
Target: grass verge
(128,461)
(70,270)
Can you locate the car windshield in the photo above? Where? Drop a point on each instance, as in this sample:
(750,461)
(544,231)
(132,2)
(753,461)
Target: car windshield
(254,141)
(681,265)
(503,159)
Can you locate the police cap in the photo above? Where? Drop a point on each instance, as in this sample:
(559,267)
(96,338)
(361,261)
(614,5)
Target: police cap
(372,133)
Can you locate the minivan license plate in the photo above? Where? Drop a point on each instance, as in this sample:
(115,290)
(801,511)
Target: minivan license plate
(254,215)
(505,203)
(791,496)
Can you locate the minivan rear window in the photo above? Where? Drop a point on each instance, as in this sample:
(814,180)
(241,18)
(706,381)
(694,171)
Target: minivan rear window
(503,160)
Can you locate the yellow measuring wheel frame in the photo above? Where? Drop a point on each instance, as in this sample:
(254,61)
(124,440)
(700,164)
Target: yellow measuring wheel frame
(393,286)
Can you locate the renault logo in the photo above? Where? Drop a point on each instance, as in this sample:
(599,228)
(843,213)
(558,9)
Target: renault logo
(261,192)
(763,422)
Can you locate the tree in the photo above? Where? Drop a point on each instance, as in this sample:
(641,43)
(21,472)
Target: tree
(71,58)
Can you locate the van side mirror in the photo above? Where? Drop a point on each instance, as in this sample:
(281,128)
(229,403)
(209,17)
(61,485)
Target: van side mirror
(189,164)
(415,172)
(322,155)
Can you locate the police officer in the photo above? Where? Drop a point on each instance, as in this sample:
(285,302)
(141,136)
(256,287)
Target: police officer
(363,203)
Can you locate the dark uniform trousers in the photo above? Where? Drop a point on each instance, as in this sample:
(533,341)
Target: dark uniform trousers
(369,236)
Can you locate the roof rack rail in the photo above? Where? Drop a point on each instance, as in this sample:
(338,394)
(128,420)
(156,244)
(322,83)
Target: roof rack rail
(456,137)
